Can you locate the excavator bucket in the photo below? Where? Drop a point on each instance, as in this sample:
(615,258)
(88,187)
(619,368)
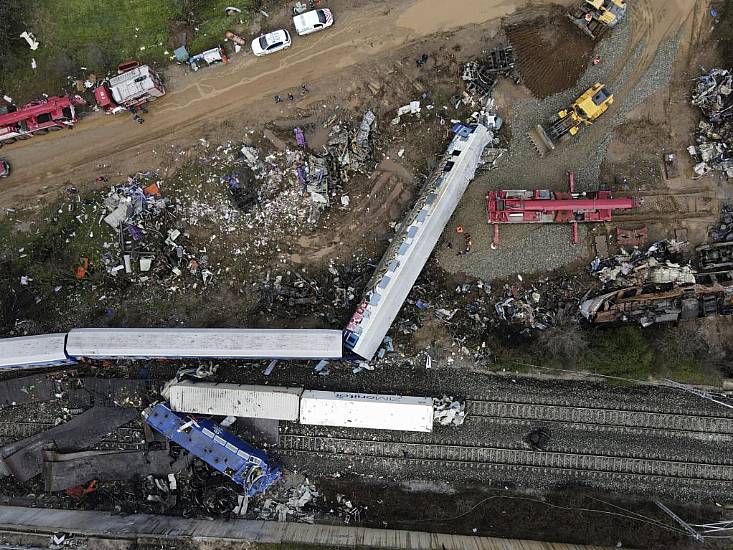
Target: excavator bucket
(541,140)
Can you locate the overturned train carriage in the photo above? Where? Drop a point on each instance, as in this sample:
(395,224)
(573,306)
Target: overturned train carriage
(415,240)
(160,343)
(710,295)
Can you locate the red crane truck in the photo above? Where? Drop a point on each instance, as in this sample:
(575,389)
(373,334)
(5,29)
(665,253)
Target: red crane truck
(38,117)
(545,206)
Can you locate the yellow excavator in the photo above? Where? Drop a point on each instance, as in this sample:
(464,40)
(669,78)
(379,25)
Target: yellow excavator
(594,17)
(583,112)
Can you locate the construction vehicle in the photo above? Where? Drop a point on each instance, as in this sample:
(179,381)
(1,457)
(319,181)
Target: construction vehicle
(595,17)
(545,206)
(583,112)
(37,118)
(134,85)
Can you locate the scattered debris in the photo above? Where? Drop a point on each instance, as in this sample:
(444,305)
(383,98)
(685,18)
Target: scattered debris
(659,263)
(714,136)
(447,411)
(295,504)
(31,39)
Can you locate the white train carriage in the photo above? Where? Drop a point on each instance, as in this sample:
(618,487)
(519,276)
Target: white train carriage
(276,403)
(181,343)
(45,350)
(366,410)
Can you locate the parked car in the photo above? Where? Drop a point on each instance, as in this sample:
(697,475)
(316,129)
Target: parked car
(271,42)
(4,168)
(313,21)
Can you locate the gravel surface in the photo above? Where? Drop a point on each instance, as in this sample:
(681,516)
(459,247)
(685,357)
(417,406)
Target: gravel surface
(537,249)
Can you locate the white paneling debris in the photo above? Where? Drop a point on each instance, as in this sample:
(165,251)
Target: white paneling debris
(271,402)
(364,410)
(33,351)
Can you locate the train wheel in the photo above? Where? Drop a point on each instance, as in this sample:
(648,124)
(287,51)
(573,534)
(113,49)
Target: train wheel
(54,128)
(41,132)
(24,136)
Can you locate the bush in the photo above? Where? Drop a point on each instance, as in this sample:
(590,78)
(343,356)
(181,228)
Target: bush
(619,351)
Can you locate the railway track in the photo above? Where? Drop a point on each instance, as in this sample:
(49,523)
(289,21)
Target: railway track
(600,417)
(475,457)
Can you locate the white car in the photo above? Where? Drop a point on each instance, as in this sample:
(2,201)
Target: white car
(271,42)
(312,21)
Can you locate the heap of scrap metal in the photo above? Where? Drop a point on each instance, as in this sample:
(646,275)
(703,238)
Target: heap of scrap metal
(719,254)
(711,294)
(652,287)
(658,264)
(415,238)
(714,136)
(148,241)
(350,150)
(483,74)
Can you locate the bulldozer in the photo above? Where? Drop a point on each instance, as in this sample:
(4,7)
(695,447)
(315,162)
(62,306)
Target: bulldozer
(594,17)
(583,112)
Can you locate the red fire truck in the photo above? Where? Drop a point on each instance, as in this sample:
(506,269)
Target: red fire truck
(38,117)
(134,85)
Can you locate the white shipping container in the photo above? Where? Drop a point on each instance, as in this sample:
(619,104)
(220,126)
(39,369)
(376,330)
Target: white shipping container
(366,410)
(235,400)
(33,351)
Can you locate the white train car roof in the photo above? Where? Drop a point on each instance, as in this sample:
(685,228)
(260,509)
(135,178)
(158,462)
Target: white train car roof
(272,402)
(366,410)
(30,351)
(142,343)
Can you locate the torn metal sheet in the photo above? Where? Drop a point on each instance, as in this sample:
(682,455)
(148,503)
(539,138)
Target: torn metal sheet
(25,390)
(61,471)
(24,459)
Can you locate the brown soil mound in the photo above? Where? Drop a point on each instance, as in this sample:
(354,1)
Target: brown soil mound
(551,53)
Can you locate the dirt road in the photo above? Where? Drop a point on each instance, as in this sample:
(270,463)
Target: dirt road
(244,88)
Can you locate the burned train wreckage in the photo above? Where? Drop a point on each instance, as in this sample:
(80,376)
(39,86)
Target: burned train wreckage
(650,287)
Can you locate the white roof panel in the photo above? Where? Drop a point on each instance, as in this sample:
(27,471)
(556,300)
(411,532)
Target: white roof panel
(366,410)
(131,84)
(271,402)
(45,349)
(209,343)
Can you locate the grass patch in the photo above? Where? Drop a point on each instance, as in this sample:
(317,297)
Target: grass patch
(211,22)
(98,35)
(619,351)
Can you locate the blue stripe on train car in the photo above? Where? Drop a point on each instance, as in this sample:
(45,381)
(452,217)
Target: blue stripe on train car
(223,451)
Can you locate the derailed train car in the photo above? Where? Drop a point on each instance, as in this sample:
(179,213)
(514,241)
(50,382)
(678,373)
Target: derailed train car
(319,408)
(151,343)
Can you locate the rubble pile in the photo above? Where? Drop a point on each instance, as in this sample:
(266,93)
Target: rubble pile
(481,75)
(448,412)
(660,263)
(149,241)
(714,136)
(348,151)
(293,293)
(723,232)
(293,504)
